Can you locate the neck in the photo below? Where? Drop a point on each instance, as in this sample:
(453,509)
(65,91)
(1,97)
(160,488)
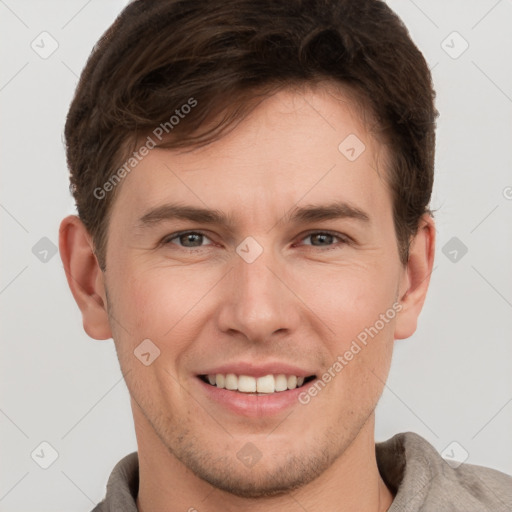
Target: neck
(352,483)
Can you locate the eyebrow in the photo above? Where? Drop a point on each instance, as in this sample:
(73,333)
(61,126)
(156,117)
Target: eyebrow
(297,215)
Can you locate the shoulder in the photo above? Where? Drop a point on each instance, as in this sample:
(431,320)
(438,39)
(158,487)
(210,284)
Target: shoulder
(122,487)
(423,480)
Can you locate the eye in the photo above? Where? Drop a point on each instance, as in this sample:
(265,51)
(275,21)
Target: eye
(196,239)
(186,239)
(325,239)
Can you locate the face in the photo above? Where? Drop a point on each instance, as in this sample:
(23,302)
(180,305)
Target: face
(297,265)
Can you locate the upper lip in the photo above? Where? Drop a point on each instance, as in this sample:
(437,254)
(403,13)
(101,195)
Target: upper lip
(258,370)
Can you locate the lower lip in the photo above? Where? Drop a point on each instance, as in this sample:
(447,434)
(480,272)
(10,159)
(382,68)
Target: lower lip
(254,405)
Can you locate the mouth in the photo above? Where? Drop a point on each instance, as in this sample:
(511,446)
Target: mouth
(251,385)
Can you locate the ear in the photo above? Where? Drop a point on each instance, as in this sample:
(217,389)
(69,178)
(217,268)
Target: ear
(416,278)
(85,278)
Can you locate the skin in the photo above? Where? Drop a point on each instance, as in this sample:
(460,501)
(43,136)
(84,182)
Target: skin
(302,301)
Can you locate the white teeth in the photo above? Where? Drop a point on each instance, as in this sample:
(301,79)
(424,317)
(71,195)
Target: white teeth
(292,382)
(231,382)
(281,382)
(265,384)
(248,384)
(220,380)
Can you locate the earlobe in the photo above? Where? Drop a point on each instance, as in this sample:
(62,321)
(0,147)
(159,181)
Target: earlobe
(416,278)
(84,276)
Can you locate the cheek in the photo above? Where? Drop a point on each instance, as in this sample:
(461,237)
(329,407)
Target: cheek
(350,300)
(357,374)
(164,304)
(360,312)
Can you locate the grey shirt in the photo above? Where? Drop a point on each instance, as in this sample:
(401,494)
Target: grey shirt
(420,479)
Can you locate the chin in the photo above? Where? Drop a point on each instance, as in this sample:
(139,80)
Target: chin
(276,471)
(272,478)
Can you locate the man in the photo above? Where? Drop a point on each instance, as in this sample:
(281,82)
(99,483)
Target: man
(252,181)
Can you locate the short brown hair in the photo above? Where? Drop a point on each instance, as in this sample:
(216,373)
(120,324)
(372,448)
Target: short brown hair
(223,54)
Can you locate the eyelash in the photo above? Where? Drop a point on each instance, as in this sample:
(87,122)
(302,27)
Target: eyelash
(345,240)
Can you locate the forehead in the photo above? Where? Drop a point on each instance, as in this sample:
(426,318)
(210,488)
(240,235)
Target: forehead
(308,144)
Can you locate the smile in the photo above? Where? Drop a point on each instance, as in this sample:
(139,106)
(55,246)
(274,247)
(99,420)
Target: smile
(266,384)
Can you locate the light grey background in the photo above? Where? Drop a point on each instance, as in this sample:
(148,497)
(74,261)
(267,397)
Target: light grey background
(452,381)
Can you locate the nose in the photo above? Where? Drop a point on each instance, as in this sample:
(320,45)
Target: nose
(259,302)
